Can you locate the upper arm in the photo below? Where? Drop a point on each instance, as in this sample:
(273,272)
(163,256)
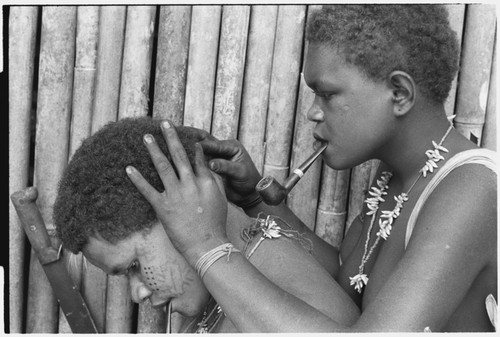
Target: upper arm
(453,240)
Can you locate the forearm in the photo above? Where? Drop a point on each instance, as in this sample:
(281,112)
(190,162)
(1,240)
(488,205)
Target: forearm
(255,304)
(326,254)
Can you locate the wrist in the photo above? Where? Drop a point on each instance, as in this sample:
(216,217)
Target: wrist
(249,202)
(195,252)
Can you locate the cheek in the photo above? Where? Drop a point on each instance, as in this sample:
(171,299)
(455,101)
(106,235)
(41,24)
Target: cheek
(164,278)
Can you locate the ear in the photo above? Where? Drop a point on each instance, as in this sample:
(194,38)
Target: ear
(403,92)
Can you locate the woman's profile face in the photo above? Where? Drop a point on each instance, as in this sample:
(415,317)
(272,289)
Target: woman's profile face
(155,269)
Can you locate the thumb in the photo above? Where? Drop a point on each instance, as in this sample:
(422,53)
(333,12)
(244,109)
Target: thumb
(223,148)
(229,168)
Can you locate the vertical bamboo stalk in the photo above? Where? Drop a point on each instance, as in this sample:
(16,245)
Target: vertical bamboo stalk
(81,117)
(255,95)
(22,41)
(361,178)
(283,91)
(136,68)
(489,139)
(57,57)
(109,65)
(303,199)
(171,63)
(202,62)
(105,109)
(232,51)
(474,79)
(119,305)
(456,17)
(332,210)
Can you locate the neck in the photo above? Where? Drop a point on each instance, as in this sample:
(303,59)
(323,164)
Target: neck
(413,137)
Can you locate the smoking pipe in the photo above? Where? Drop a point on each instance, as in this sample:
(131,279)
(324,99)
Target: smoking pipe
(273,193)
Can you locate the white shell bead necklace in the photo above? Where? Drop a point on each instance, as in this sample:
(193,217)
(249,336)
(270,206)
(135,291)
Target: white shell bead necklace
(387,217)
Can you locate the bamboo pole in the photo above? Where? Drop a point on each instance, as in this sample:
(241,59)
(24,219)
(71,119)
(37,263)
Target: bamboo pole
(232,52)
(119,305)
(489,139)
(456,14)
(171,63)
(81,117)
(257,80)
(105,109)
(474,78)
(202,62)
(361,179)
(22,41)
(109,65)
(332,210)
(283,90)
(57,57)
(136,68)
(303,199)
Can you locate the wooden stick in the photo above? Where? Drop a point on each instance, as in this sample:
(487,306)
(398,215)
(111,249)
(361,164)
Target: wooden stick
(119,305)
(489,139)
(203,47)
(81,120)
(171,63)
(474,78)
(456,16)
(283,91)
(361,178)
(57,57)
(22,40)
(94,282)
(332,210)
(232,52)
(136,68)
(151,320)
(109,65)
(255,95)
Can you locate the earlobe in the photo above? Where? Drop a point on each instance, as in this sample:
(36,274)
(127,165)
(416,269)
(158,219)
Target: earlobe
(403,92)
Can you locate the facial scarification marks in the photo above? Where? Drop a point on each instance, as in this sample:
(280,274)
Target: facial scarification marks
(164,278)
(148,272)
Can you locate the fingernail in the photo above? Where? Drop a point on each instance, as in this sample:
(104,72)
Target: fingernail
(148,138)
(128,169)
(213,166)
(165,124)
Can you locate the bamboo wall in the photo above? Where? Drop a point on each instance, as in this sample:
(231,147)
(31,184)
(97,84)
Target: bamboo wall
(232,70)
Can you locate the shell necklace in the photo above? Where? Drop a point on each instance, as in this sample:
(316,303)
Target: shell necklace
(387,217)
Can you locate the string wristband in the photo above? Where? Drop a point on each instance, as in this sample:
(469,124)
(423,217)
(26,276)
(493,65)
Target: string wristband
(210,257)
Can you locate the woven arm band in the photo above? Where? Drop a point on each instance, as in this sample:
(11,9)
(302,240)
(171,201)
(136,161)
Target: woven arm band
(210,257)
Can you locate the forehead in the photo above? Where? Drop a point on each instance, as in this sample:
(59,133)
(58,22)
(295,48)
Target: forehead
(325,65)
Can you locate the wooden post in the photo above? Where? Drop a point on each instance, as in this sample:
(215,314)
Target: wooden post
(202,62)
(456,17)
(119,305)
(332,210)
(232,51)
(489,139)
(22,41)
(57,57)
(255,95)
(474,78)
(283,92)
(136,68)
(171,63)
(109,65)
(81,117)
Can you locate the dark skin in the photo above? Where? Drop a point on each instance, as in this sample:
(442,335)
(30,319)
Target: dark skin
(439,281)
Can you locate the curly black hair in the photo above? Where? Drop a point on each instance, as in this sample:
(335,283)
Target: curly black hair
(95,194)
(382,38)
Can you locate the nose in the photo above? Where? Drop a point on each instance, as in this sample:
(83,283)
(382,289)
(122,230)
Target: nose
(315,114)
(138,289)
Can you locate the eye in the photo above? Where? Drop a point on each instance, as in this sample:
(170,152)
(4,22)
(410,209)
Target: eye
(132,267)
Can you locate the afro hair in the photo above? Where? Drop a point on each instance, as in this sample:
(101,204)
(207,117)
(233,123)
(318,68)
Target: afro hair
(96,196)
(379,39)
